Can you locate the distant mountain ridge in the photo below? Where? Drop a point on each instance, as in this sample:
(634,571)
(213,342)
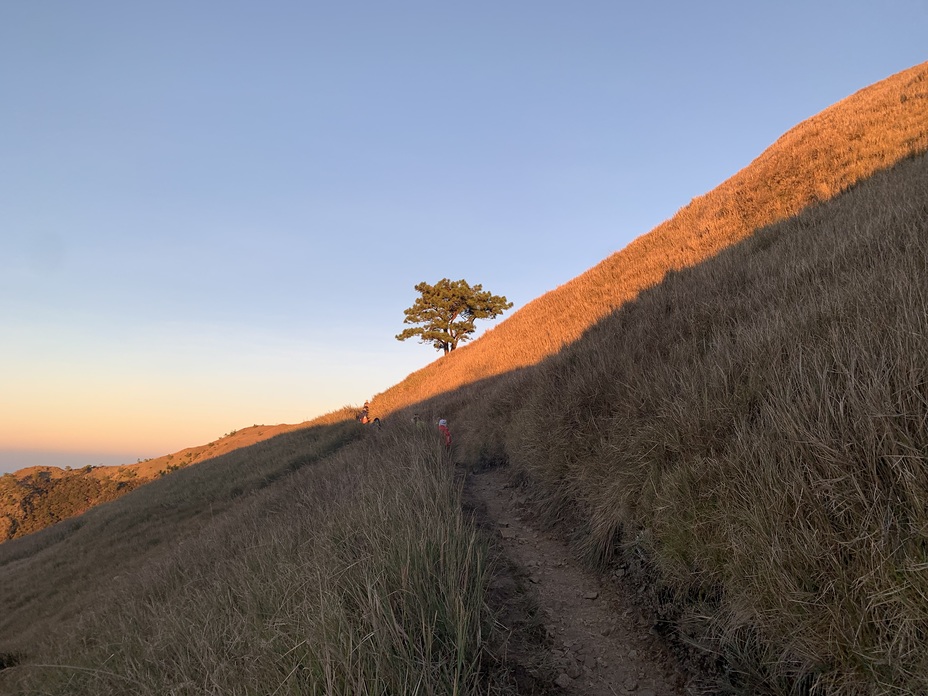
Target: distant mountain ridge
(36,497)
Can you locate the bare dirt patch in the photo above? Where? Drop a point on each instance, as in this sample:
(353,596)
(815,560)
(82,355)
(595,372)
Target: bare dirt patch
(592,638)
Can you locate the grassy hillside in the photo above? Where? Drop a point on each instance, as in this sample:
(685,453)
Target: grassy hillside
(748,435)
(733,411)
(49,575)
(37,497)
(750,439)
(814,161)
(303,565)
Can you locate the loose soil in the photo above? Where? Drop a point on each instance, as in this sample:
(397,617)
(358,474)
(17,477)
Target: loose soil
(572,631)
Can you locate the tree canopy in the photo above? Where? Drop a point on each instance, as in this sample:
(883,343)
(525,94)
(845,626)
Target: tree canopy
(447,311)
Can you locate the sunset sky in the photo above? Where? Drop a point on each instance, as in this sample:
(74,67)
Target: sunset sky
(212,214)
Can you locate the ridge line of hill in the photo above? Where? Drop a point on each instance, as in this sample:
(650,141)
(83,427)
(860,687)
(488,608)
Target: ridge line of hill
(742,440)
(36,497)
(814,161)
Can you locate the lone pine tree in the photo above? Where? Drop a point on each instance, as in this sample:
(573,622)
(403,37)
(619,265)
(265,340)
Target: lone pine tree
(447,311)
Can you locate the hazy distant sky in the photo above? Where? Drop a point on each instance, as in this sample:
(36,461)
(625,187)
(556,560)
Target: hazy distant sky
(212,214)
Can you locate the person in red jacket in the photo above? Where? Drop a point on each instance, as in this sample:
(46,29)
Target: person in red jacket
(446,434)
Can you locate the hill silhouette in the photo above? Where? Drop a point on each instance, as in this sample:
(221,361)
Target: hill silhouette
(729,415)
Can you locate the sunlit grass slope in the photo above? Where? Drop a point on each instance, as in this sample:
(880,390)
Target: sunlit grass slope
(749,433)
(814,161)
(351,571)
(750,436)
(34,498)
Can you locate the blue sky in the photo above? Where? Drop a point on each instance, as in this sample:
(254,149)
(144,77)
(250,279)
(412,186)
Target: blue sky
(213,214)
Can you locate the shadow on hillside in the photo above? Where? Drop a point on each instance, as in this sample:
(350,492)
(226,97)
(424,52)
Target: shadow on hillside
(40,569)
(748,437)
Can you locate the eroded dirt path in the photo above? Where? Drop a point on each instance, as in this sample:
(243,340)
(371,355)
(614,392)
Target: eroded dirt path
(596,641)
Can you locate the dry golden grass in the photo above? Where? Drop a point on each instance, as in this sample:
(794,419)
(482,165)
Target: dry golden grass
(746,427)
(814,161)
(750,437)
(302,565)
(52,574)
(749,433)
(244,437)
(35,497)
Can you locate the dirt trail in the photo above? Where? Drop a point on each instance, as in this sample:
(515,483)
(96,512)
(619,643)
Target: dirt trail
(597,643)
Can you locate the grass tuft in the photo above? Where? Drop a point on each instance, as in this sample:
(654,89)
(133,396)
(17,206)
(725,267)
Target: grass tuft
(356,575)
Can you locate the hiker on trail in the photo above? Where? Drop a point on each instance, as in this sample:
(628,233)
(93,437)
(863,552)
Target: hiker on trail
(364,413)
(417,421)
(446,434)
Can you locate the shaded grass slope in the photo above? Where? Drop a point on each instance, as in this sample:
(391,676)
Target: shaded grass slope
(819,158)
(49,576)
(745,427)
(36,497)
(816,160)
(751,437)
(357,574)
